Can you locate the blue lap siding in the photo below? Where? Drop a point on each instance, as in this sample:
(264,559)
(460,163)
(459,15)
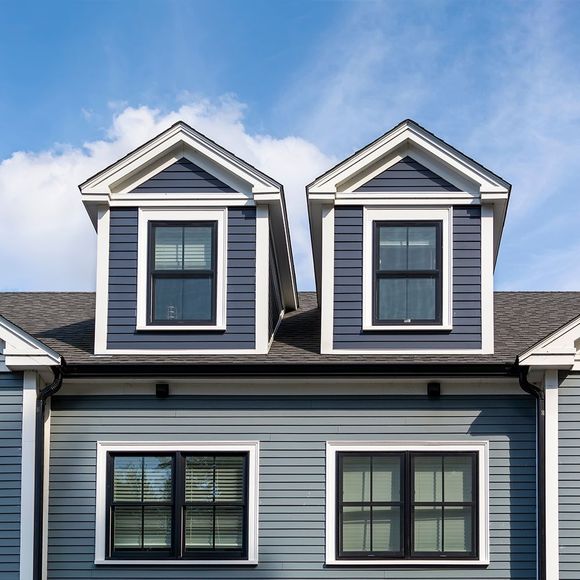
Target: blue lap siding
(10,473)
(292,431)
(348,288)
(241,289)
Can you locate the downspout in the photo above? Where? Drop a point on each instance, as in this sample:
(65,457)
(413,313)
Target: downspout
(538,394)
(41,399)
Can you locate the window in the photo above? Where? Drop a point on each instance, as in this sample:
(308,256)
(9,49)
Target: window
(397,505)
(181,269)
(407,268)
(182,266)
(187,505)
(407,273)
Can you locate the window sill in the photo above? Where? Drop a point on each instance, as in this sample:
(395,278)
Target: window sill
(432,563)
(409,327)
(176,562)
(180,328)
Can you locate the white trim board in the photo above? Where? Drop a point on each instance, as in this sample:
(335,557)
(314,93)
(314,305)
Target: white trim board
(105,447)
(482,449)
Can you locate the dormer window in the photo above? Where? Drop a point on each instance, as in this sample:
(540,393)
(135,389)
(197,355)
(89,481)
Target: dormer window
(181,269)
(407,273)
(407,268)
(182,272)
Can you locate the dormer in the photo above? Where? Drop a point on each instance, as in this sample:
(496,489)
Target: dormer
(194,251)
(405,235)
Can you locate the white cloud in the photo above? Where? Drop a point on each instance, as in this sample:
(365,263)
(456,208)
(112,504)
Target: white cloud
(48,242)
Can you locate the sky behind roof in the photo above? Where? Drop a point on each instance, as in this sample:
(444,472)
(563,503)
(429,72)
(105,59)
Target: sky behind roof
(292,87)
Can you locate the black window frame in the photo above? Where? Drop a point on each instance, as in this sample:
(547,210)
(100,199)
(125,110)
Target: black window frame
(407,503)
(436,274)
(153,274)
(178,549)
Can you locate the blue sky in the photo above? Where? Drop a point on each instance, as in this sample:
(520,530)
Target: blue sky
(293,87)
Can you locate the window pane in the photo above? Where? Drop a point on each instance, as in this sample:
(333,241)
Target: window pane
(392,299)
(183,299)
(428,478)
(199,478)
(386,478)
(157,522)
(158,479)
(127,482)
(356,529)
(421,293)
(422,248)
(197,248)
(386,529)
(458,478)
(199,527)
(197,298)
(458,529)
(356,478)
(229,523)
(127,523)
(229,475)
(392,248)
(168,247)
(428,527)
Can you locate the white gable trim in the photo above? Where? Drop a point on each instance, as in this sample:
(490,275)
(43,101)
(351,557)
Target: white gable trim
(22,351)
(559,350)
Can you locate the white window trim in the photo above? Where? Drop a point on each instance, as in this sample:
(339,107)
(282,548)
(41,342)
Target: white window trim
(445,216)
(105,447)
(175,214)
(482,449)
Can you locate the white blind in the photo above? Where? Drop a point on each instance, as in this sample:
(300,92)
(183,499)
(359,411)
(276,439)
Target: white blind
(183,247)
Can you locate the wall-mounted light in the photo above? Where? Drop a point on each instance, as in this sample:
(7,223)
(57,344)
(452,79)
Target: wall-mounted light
(433,390)
(162,390)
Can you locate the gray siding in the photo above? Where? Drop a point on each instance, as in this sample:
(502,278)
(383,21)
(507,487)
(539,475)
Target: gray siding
(292,432)
(241,289)
(407,175)
(275,293)
(569,452)
(10,468)
(183,177)
(348,251)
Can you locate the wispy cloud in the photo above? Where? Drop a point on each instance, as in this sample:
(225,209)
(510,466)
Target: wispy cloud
(48,241)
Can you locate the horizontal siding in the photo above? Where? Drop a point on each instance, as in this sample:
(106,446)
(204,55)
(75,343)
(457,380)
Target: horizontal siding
(183,177)
(292,432)
(241,289)
(569,472)
(407,175)
(348,287)
(10,473)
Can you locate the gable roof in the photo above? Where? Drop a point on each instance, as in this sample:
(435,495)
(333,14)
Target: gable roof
(64,321)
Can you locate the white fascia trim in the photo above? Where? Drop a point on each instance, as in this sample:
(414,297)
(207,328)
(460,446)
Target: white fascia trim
(163,214)
(29,391)
(482,449)
(445,216)
(105,447)
(551,474)
(199,351)
(417,352)
(487,269)
(327,290)
(262,278)
(102,282)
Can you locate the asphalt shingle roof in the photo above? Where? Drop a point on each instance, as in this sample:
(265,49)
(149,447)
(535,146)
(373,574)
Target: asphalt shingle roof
(64,321)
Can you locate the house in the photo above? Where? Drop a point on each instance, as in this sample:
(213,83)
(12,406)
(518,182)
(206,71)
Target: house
(197,417)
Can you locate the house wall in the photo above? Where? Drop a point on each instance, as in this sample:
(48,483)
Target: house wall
(10,473)
(569,475)
(241,289)
(348,288)
(275,293)
(292,431)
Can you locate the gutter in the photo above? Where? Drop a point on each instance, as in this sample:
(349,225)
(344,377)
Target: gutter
(41,399)
(538,394)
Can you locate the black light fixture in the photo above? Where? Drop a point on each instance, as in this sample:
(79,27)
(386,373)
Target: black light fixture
(162,390)
(433,390)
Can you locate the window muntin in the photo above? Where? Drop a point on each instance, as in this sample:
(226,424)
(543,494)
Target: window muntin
(154,500)
(182,273)
(407,505)
(407,272)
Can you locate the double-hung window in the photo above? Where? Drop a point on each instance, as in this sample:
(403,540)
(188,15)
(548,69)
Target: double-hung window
(179,505)
(405,506)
